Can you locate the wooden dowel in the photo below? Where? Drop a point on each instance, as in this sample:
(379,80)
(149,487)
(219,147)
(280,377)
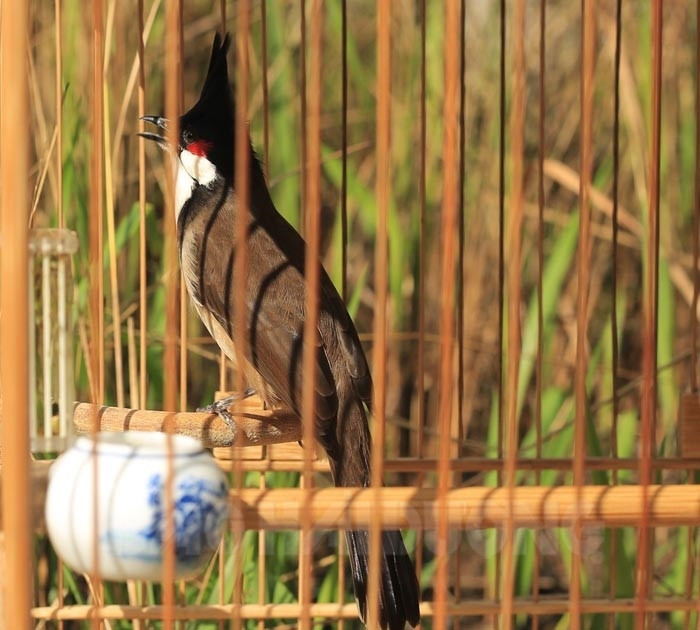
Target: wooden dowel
(555,605)
(478,507)
(413,508)
(479,465)
(255,428)
(260,427)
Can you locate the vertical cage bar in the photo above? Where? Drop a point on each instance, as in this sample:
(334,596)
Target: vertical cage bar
(262,536)
(461,279)
(614,533)
(583,288)
(379,367)
(693,533)
(241,182)
(449,222)
(58,12)
(696,217)
(182,315)
(421,243)
(514,266)
(542,109)
(344,151)
(461,272)
(305,221)
(96,212)
(312,174)
(223,362)
(14,302)
(265,89)
(303,114)
(242,157)
(173,100)
(495,586)
(262,554)
(96,271)
(419,441)
(343,236)
(143,279)
(644,561)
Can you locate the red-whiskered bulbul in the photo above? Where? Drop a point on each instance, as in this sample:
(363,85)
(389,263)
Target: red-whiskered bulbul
(206,209)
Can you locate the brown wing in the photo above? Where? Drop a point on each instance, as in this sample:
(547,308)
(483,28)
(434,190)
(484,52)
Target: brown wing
(274,293)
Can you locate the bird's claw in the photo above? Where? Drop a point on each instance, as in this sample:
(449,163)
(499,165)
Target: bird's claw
(221,407)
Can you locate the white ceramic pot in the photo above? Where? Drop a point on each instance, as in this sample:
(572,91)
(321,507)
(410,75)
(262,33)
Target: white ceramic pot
(132,470)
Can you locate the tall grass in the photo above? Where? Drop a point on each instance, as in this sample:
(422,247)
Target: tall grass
(476,555)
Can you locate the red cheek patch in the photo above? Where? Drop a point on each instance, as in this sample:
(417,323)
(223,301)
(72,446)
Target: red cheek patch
(199,147)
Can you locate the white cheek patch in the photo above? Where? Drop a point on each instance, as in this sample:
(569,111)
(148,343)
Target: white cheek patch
(191,169)
(198,167)
(184,185)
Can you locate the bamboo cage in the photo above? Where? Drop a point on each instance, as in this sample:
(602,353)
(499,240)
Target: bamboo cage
(506,196)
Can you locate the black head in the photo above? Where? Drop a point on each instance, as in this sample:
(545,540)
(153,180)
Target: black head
(207,128)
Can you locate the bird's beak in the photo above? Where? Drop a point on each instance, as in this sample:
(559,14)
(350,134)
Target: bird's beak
(158,121)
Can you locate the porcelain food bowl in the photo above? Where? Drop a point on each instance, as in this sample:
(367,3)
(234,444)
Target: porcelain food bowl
(132,470)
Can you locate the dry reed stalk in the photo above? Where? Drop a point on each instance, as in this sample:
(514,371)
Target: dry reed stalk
(112,252)
(134,81)
(133,364)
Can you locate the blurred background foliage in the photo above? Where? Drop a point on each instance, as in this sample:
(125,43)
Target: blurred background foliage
(475,422)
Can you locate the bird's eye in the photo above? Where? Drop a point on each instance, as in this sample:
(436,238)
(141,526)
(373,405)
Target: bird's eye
(187,136)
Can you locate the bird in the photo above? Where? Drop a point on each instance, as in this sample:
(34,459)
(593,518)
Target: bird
(207,213)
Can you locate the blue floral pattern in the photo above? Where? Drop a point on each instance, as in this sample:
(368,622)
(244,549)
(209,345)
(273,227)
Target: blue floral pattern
(198,511)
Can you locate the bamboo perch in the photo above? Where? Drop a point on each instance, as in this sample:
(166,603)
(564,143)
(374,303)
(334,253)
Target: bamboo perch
(265,427)
(543,605)
(259,427)
(256,426)
(413,508)
(476,507)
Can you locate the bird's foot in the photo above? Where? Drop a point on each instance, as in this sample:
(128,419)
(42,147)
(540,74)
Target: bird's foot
(221,407)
